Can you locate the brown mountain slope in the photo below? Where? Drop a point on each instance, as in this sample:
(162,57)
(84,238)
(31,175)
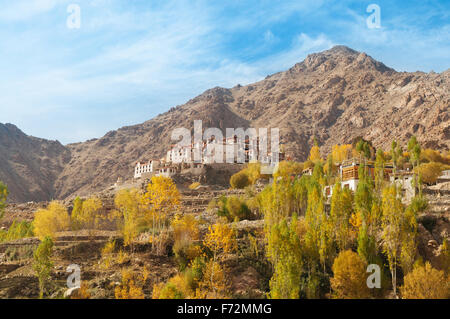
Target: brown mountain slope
(29,165)
(335,95)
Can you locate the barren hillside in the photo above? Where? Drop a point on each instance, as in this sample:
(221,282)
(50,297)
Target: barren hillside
(335,95)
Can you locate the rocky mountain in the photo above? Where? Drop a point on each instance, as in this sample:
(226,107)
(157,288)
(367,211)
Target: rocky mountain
(30,166)
(335,96)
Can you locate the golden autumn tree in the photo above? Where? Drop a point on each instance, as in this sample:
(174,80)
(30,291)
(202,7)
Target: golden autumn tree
(221,238)
(214,284)
(176,287)
(341,152)
(130,206)
(314,154)
(429,172)
(162,198)
(287,169)
(349,280)
(88,216)
(340,213)
(76,211)
(392,223)
(51,220)
(425,282)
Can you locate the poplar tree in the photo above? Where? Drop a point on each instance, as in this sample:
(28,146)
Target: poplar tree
(392,224)
(43,264)
(341,210)
(284,252)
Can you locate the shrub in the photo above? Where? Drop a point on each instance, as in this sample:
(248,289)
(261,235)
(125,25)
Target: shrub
(131,286)
(186,235)
(176,288)
(17,230)
(238,209)
(425,282)
(239,180)
(349,281)
(233,208)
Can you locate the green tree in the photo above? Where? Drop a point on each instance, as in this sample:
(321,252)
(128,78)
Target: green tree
(396,153)
(43,264)
(284,252)
(341,210)
(414,157)
(76,213)
(392,224)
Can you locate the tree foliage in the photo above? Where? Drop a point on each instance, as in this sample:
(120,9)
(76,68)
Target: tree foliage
(240,180)
(284,252)
(51,220)
(43,264)
(425,282)
(349,280)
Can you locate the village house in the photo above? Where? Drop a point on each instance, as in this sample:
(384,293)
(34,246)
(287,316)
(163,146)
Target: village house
(404,180)
(348,173)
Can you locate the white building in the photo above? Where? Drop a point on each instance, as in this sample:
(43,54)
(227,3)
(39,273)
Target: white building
(144,167)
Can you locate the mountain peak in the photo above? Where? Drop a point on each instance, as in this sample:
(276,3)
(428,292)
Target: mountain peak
(342,49)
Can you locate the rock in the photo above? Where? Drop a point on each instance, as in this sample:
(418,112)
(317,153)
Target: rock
(433,243)
(71,292)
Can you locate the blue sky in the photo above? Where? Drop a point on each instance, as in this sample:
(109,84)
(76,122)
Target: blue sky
(133,59)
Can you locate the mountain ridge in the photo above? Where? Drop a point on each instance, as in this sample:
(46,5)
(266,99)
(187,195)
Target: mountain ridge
(334,95)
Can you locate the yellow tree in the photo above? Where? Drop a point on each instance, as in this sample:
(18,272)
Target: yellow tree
(76,211)
(392,224)
(221,238)
(425,282)
(341,152)
(131,286)
(349,280)
(288,168)
(51,220)
(341,210)
(162,198)
(88,216)
(314,154)
(129,204)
